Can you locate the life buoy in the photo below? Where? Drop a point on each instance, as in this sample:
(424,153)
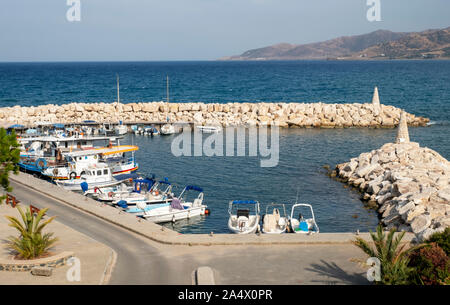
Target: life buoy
(156,193)
(73,175)
(41,163)
(138,187)
(110,194)
(95,189)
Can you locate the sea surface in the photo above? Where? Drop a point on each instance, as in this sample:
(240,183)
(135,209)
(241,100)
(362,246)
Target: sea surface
(419,87)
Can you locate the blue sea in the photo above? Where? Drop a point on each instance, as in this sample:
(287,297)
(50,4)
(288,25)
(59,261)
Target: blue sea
(419,87)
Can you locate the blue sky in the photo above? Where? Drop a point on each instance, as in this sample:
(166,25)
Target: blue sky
(32,30)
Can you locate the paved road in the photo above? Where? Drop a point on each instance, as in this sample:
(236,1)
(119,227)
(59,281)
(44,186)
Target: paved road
(141,261)
(137,261)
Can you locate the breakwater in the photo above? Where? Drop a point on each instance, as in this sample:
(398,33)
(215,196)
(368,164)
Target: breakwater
(306,115)
(408,184)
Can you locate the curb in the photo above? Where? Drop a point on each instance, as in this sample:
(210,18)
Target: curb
(106,276)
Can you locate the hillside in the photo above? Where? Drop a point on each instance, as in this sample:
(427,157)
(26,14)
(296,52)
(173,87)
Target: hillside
(374,45)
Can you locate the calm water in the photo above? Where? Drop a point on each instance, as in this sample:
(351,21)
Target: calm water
(420,87)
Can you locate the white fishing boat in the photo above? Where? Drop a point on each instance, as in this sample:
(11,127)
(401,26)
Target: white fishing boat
(240,220)
(179,208)
(96,175)
(75,163)
(302,224)
(209,129)
(275,222)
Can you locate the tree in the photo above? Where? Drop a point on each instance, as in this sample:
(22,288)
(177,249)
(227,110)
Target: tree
(31,243)
(9,157)
(393,258)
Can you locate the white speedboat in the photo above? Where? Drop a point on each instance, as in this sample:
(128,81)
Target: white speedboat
(121,129)
(147,191)
(302,224)
(167,129)
(273,221)
(240,220)
(209,129)
(179,208)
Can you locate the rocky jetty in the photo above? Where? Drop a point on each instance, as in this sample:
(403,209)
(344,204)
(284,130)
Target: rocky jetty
(306,115)
(409,184)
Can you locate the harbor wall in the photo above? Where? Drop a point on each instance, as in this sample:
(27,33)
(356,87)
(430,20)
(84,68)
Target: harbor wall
(303,115)
(409,185)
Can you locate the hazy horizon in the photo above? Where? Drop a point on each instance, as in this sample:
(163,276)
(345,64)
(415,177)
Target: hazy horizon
(193,30)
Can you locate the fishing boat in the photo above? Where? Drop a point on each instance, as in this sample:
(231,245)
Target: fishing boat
(302,224)
(179,208)
(209,129)
(96,175)
(240,220)
(39,153)
(75,163)
(275,222)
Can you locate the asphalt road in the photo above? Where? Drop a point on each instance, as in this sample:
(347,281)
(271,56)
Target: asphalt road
(141,261)
(137,261)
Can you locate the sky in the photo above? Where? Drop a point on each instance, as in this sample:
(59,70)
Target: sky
(160,30)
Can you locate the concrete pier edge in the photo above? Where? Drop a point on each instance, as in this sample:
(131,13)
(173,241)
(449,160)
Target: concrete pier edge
(166,236)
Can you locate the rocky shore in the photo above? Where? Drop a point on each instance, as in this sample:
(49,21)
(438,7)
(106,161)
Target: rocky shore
(408,184)
(232,114)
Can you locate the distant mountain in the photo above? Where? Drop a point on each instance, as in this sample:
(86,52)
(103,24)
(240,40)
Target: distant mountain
(375,45)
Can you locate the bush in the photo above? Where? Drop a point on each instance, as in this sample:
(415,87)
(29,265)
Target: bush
(31,243)
(431,264)
(392,256)
(442,240)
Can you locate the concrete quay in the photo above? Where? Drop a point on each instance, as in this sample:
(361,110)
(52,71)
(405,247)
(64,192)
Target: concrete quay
(164,235)
(147,255)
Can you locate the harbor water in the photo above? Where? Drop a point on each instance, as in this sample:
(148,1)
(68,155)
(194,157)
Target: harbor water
(419,87)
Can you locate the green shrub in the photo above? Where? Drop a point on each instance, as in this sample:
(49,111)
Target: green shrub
(393,257)
(431,265)
(442,240)
(31,243)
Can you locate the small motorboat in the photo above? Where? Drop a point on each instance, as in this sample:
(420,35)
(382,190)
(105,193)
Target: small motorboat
(301,224)
(209,129)
(273,221)
(240,220)
(145,191)
(179,208)
(167,129)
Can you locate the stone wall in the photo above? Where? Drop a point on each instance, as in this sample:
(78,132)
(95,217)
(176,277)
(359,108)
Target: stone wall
(409,185)
(231,114)
(54,261)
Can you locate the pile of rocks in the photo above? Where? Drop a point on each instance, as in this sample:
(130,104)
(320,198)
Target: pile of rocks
(232,114)
(409,184)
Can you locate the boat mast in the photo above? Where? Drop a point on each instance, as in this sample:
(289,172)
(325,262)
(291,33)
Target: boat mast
(167,88)
(118,94)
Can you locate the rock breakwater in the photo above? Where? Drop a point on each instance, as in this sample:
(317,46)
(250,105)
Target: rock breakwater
(409,184)
(310,115)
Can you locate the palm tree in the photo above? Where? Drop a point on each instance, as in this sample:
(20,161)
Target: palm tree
(31,243)
(393,258)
